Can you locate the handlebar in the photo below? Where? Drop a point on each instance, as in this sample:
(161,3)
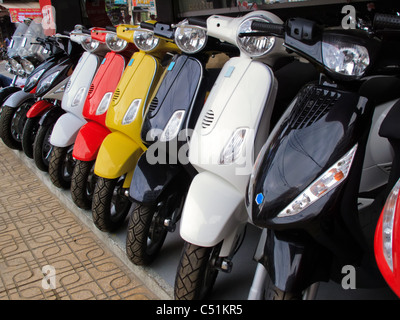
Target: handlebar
(111,28)
(270,28)
(198,22)
(386,21)
(146,25)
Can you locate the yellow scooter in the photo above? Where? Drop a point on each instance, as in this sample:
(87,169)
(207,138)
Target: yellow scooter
(121,149)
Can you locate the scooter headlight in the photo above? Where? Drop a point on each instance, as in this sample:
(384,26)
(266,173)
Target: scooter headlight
(14,64)
(114,43)
(255,46)
(28,66)
(34,78)
(79,97)
(145,40)
(172,128)
(104,103)
(89,44)
(388,216)
(329,180)
(233,148)
(133,109)
(345,58)
(190,39)
(46,82)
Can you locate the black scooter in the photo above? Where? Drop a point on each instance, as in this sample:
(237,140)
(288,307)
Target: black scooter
(163,174)
(304,186)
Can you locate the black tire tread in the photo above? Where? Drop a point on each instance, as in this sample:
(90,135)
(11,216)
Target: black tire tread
(78,184)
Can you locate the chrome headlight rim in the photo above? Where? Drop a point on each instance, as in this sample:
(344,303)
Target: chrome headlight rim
(114,43)
(89,44)
(244,42)
(145,40)
(183,30)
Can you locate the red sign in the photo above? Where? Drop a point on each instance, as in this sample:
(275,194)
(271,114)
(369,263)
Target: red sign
(19,15)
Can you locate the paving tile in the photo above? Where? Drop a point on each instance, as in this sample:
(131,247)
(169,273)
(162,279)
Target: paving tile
(46,253)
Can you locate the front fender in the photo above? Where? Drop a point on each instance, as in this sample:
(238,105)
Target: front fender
(39,108)
(17,98)
(89,140)
(118,155)
(149,180)
(66,129)
(6,92)
(213,210)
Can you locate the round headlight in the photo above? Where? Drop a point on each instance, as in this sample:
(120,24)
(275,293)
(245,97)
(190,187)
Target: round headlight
(190,39)
(114,43)
(348,59)
(28,66)
(254,46)
(89,44)
(14,64)
(145,40)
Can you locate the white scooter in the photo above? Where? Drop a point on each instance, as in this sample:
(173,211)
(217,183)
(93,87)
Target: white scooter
(66,128)
(233,124)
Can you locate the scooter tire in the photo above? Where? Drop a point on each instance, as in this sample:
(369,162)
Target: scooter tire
(195,275)
(61,166)
(273,293)
(8,133)
(42,147)
(82,179)
(144,226)
(107,196)
(28,136)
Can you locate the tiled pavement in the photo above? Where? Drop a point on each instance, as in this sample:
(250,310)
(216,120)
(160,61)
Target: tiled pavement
(46,252)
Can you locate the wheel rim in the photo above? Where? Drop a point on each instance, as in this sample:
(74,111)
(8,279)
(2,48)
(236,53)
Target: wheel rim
(47,147)
(119,202)
(156,232)
(68,165)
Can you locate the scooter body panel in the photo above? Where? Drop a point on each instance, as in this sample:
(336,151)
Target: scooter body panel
(137,84)
(118,155)
(211,215)
(340,118)
(17,98)
(242,96)
(150,180)
(6,92)
(39,108)
(105,80)
(66,130)
(89,140)
(57,92)
(76,91)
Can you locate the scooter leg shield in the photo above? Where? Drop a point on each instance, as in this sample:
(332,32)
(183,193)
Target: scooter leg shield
(17,98)
(118,155)
(66,130)
(89,140)
(38,109)
(149,180)
(213,210)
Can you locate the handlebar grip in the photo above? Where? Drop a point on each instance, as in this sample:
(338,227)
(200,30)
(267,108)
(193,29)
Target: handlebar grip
(111,28)
(273,28)
(386,21)
(146,25)
(198,22)
(66,33)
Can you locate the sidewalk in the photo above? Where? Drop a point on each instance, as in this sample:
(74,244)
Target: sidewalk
(37,231)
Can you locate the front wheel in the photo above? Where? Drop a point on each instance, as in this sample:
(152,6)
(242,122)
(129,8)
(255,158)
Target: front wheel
(12,122)
(110,206)
(28,136)
(146,234)
(82,183)
(42,147)
(61,166)
(196,272)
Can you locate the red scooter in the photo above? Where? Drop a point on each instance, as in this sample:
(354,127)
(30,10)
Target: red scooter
(92,134)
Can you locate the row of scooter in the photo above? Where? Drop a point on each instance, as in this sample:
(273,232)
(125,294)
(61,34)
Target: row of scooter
(221,123)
